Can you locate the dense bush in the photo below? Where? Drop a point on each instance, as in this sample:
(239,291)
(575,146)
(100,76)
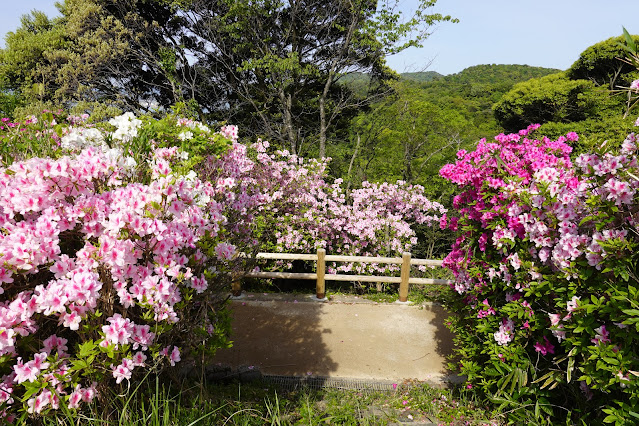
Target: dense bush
(288,206)
(102,275)
(545,267)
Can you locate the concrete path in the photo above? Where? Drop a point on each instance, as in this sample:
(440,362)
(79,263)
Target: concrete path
(347,337)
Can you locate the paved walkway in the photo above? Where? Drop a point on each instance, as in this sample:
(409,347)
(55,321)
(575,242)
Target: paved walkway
(347,337)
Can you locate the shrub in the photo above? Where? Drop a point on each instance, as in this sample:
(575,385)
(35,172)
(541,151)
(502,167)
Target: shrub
(547,314)
(297,210)
(102,275)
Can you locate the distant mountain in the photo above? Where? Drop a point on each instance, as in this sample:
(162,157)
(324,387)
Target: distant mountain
(492,74)
(485,82)
(473,92)
(502,75)
(421,77)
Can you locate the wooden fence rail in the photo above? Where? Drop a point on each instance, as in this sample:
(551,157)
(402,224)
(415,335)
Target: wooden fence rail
(404,280)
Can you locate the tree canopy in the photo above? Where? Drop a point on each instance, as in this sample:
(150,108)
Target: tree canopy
(99,52)
(551,98)
(602,64)
(579,99)
(273,67)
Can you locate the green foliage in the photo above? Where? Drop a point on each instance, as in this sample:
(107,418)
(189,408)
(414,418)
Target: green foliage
(418,128)
(37,137)
(26,64)
(198,141)
(97,54)
(592,131)
(275,70)
(473,91)
(404,138)
(553,98)
(583,94)
(9,99)
(602,63)
(301,63)
(159,403)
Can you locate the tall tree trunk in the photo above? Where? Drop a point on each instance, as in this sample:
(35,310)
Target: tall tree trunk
(322,135)
(287,102)
(350,166)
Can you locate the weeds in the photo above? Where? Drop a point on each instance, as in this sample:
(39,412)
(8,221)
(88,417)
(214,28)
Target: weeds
(258,403)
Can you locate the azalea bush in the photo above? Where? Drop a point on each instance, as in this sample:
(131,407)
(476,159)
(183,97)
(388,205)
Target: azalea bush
(103,276)
(547,320)
(34,137)
(287,205)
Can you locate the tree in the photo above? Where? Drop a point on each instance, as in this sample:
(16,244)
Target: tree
(405,137)
(553,98)
(583,95)
(99,51)
(25,65)
(272,66)
(283,60)
(602,64)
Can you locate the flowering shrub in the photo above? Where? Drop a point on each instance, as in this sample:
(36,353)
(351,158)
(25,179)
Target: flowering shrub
(34,137)
(548,306)
(286,205)
(192,137)
(102,276)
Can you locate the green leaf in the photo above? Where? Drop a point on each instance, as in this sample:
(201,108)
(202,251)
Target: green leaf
(548,382)
(612,361)
(624,274)
(523,380)
(86,349)
(79,364)
(543,377)
(31,388)
(630,43)
(610,419)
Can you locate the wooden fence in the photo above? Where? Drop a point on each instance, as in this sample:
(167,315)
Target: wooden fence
(404,280)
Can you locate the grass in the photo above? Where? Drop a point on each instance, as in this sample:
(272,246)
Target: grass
(259,403)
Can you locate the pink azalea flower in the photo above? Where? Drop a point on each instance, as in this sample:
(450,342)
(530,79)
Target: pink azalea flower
(175,356)
(545,347)
(602,336)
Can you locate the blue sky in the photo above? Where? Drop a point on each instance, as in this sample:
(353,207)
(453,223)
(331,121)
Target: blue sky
(547,33)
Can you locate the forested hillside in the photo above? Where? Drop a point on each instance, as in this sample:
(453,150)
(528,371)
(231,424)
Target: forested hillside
(476,89)
(421,77)
(422,123)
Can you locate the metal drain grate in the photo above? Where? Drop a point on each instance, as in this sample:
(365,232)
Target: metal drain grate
(291,383)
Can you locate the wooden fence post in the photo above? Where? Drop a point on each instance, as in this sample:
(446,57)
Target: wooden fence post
(236,287)
(320,288)
(405,276)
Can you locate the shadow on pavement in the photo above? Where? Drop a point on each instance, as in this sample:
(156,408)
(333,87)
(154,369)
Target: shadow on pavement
(278,338)
(442,337)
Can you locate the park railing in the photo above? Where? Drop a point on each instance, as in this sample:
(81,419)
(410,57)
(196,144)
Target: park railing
(404,280)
